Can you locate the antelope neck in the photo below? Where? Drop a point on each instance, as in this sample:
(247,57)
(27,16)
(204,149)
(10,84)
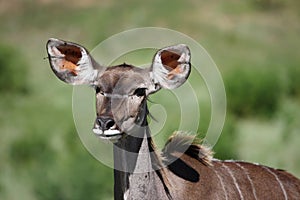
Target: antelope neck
(135,162)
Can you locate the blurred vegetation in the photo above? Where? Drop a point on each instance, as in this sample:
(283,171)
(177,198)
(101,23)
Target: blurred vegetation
(253,92)
(30,149)
(69,178)
(13,69)
(227,147)
(294,81)
(254,43)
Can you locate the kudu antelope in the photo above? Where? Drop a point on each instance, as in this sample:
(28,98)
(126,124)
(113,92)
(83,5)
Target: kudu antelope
(183,169)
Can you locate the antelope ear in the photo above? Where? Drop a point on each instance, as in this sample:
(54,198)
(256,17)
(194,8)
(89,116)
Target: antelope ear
(71,62)
(171,66)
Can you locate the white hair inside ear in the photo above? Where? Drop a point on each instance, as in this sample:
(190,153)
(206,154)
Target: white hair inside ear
(171,66)
(71,62)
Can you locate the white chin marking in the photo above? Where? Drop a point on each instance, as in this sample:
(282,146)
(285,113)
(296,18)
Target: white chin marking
(108,134)
(111,132)
(97,131)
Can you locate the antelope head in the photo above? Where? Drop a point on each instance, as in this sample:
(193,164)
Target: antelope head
(121,90)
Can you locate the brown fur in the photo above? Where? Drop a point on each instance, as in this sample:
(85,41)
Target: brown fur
(229,179)
(181,142)
(186,169)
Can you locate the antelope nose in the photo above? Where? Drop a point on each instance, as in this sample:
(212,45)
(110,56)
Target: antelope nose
(105,123)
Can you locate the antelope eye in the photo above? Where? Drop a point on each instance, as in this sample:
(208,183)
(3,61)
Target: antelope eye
(140,92)
(97,89)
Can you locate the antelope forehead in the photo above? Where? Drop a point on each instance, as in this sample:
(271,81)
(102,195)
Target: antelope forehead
(124,84)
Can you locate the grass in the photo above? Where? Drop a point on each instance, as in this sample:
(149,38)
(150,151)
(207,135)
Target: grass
(255,46)
(254,92)
(13,77)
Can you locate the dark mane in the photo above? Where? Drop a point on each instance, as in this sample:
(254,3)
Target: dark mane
(181,142)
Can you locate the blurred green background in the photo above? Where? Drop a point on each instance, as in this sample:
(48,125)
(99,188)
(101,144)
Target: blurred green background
(254,43)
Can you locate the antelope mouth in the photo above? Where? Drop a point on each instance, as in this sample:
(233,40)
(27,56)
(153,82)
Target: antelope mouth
(111,134)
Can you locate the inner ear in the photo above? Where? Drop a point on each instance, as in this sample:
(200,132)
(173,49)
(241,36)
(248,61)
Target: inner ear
(72,53)
(71,62)
(171,66)
(170,59)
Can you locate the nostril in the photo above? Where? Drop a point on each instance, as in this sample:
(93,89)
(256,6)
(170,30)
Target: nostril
(110,123)
(105,123)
